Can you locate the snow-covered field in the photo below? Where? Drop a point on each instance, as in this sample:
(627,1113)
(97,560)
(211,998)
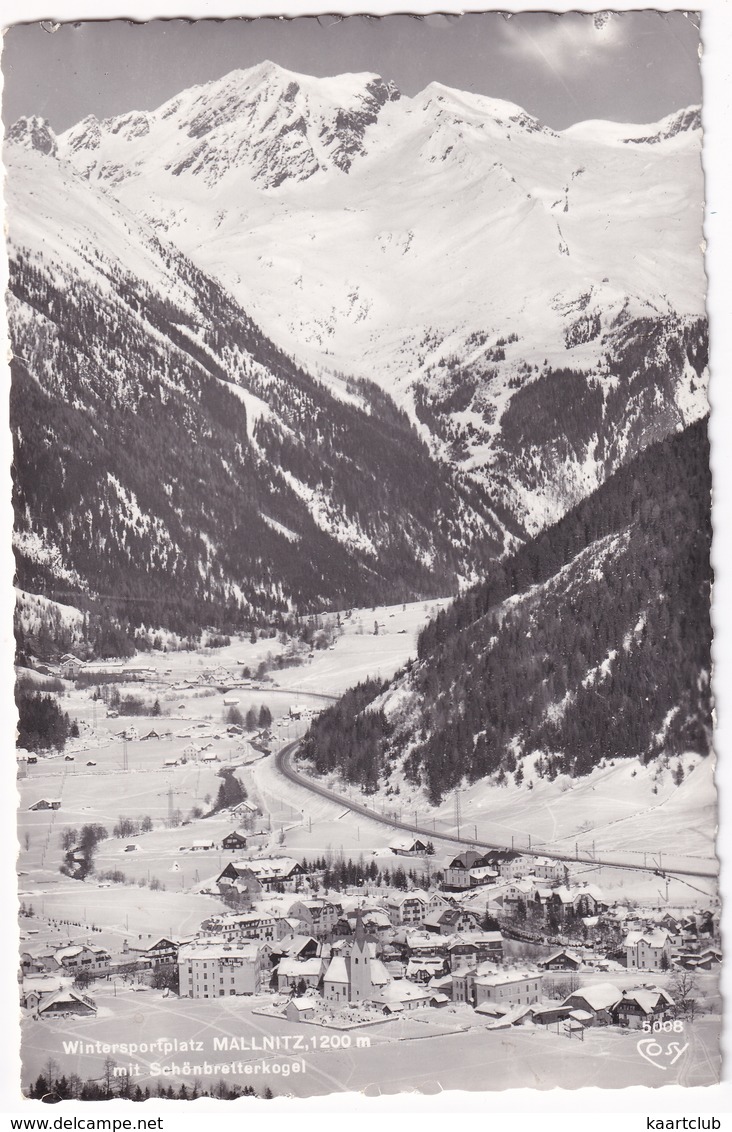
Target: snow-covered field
(626,810)
(193,713)
(408,1054)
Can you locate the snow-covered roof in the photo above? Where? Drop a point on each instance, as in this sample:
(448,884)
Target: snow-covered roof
(379,974)
(337,971)
(396,899)
(220,949)
(492,1009)
(599,996)
(505,977)
(656,938)
(406,843)
(402,991)
(562,951)
(303,1003)
(64,996)
(67,953)
(647,997)
(296,968)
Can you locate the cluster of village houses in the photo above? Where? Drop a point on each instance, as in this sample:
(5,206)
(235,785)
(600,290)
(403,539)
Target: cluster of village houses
(396,951)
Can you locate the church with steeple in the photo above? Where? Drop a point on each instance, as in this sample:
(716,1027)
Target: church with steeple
(355,976)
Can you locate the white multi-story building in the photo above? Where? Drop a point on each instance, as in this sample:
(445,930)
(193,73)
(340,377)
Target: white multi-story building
(214,968)
(406,908)
(504,986)
(648,951)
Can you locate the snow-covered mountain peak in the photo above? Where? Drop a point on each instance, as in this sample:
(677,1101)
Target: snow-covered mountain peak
(265,123)
(601,132)
(478,109)
(86,134)
(33,133)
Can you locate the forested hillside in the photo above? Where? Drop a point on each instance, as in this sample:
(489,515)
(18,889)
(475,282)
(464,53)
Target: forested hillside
(591,641)
(175,468)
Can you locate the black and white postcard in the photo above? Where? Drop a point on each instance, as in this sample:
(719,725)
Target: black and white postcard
(361,529)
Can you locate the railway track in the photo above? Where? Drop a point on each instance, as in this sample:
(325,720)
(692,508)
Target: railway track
(284,766)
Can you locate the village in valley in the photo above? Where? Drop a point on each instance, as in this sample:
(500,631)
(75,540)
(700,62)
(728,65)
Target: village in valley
(181,899)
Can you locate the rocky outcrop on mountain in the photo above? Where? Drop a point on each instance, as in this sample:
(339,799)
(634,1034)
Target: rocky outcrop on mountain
(33,133)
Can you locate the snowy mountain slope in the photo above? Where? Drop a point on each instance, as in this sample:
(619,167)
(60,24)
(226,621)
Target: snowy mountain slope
(448,246)
(168,455)
(590,642)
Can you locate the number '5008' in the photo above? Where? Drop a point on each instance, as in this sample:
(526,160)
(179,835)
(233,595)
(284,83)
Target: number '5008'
(668,1026)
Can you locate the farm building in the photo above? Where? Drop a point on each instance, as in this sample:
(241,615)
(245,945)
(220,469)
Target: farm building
(597,999)
(408,846)
(234,840)
(300,1009)
(67,1002)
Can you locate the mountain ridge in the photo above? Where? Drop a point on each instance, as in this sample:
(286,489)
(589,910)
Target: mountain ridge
(437,244)
(592,641)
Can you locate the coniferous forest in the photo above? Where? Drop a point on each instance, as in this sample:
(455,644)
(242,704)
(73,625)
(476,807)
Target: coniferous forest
(143,488)
(592,641)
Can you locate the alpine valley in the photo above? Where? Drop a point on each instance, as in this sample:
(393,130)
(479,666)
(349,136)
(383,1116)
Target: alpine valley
(288,344)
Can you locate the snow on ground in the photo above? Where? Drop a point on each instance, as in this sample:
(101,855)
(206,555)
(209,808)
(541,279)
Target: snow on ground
(394,1056)
(614,810)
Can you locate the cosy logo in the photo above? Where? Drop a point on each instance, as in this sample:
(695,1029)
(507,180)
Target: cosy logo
(658,1055)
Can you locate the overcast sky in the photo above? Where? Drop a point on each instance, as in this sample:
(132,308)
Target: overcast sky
(627,66)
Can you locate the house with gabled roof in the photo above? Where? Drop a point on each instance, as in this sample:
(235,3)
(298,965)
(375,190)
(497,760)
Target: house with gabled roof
(401,995)
(596,998)
(641,1005)
(408,846)
(300,1009)
(648,950)
(66,1001)
(234,840)
(245,925)
(449,921)
(82,957)
(475,946)
(273,873)
(317,914)
(562,960)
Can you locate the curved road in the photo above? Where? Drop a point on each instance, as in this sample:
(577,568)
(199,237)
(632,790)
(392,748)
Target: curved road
(282,762)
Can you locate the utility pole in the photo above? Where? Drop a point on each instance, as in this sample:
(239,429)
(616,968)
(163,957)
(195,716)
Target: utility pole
(457,811)
(125,766)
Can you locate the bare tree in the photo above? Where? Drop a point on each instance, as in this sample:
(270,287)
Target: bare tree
(108,1074)
(683,986)
(50,1071)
